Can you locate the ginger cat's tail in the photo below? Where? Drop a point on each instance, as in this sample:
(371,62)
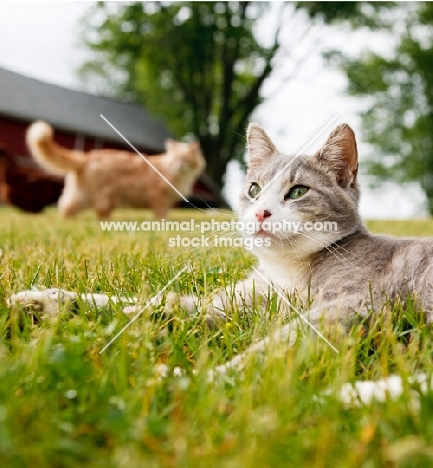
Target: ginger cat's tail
(49,154)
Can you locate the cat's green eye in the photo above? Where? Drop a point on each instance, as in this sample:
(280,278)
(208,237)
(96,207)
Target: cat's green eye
(296,192)
(254,191)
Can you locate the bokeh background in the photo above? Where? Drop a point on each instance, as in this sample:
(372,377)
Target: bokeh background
(367,63)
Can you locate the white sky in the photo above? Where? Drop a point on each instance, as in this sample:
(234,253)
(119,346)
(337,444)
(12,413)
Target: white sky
(41,40)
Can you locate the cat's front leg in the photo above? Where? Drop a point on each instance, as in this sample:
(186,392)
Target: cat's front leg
(51,301)
(316,322)
(286,334)
(98,300)
(253,291)
(243,296)
(48,302)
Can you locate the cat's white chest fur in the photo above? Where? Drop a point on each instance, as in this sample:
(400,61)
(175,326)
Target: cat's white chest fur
(284,271)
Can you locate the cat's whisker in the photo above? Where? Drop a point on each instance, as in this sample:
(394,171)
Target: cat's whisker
(332,250)
(322,245)
(336,246)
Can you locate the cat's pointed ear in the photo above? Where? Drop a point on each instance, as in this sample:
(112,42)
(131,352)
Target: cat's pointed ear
(340,154)
(260,146)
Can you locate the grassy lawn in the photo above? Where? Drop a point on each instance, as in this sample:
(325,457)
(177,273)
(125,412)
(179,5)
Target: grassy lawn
(63,404)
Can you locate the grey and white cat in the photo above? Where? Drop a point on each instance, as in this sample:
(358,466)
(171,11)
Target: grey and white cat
(346,272)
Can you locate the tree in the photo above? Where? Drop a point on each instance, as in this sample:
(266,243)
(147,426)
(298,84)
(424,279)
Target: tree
(397,89)
(196,64)
(199,65)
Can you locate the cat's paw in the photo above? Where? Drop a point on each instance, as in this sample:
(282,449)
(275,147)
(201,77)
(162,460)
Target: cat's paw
(48,302)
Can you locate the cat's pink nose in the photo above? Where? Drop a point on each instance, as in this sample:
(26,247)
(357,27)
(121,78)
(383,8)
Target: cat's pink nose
(262,214)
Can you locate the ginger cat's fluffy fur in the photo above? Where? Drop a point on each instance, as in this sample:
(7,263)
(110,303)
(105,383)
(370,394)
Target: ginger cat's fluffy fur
(106,179)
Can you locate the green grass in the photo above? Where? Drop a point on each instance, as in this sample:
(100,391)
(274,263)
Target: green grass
(62,404)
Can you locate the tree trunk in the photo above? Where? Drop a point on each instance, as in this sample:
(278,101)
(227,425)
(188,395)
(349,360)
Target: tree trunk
(215,167)
(430,203)
(428,190)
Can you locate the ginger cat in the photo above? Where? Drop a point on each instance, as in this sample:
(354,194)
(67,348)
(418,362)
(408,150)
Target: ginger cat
(106,179)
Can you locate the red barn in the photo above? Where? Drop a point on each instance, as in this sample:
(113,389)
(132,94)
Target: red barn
(76,119)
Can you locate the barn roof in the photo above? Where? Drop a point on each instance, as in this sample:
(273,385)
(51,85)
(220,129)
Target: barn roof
(28,99)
